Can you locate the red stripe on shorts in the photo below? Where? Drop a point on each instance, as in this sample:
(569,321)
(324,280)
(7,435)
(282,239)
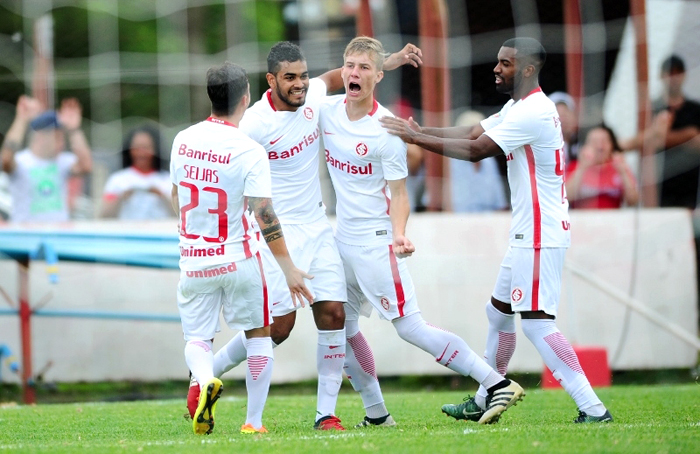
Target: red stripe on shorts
(266,307)
(536,281)
(400,300)
(246,234)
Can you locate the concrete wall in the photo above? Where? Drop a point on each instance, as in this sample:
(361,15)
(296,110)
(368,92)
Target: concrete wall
(454,270)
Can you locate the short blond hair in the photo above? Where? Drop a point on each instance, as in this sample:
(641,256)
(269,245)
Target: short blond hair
(367,45)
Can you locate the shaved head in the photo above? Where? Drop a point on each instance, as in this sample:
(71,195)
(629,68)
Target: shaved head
(529,51)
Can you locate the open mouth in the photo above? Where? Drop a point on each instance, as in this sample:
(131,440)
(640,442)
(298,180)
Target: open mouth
(297,92)
(499,80)
(353,87)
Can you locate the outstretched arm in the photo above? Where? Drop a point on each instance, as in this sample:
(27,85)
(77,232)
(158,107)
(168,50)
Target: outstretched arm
(409,55)
(271,230)
(27,108)
(459,148)
(70,115)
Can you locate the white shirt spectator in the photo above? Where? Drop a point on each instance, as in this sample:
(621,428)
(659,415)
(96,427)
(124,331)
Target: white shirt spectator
(143,203)
(39,187)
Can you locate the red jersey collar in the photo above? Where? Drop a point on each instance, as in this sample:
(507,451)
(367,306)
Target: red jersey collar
(221,122)
(536,90)
(269,98)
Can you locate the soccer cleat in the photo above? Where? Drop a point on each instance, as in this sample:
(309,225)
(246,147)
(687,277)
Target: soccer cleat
(329,422)
(203,419)
(384,421)
(468,410)
(583,417)
(249,429)
(499,401)
(192,397)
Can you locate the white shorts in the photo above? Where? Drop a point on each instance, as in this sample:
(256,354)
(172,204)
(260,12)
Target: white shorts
(530,279)
(313,249)
(377,279)
(237,290)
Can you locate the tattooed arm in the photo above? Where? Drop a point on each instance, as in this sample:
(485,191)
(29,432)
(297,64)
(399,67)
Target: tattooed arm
(271,229)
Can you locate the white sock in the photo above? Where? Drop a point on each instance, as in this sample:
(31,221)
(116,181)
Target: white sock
(199,359)
(360,369)
(500,345)
(561,359)
(258,377)
(330,357)
(448,349)
(231,354)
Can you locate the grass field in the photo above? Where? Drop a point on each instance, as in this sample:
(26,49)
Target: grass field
(658,419)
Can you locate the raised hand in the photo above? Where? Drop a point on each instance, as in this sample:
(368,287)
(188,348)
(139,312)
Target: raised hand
(70,115)
(409,55)
(28,108)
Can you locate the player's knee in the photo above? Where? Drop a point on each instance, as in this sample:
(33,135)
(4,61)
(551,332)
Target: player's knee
(330,315)
(501,306)
(281,328)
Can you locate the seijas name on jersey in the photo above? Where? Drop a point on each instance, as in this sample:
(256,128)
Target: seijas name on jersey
(202,173)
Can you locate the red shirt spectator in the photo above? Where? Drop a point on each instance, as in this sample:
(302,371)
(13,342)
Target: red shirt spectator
(600,178)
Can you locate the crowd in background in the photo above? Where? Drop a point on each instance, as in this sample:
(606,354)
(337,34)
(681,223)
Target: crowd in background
(45,156)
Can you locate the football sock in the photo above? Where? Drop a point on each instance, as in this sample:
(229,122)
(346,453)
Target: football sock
(231,354)
(359,367)
(500,345)
(199,359)
(258,377)
(330,357)
(560,358)
(448,349)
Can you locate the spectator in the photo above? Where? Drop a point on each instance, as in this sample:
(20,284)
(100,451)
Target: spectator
(476,186)
(600,178)
(141,190)
(566,107)
(675,132)
(39,173)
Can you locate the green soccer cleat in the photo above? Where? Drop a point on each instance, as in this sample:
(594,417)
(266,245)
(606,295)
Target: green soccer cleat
(586,418)
(467,410)
(203,419)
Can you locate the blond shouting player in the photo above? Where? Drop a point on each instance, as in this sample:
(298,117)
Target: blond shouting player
(368,169)
(527,131)
(285,123)
(217,173)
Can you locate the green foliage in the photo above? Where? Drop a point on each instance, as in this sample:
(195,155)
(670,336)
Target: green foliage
(647,419)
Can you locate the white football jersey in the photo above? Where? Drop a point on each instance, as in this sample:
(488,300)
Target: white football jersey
(529,133)
(291,140)
(216,168)
(361,156)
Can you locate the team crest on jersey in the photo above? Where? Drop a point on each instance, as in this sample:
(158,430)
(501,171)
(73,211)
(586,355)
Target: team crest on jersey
(361,149)
(308,113)
(384,302)
(517,295)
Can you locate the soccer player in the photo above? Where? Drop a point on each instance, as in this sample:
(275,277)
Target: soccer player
(368,169)
(285,122)
(528,131)
(217,171)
